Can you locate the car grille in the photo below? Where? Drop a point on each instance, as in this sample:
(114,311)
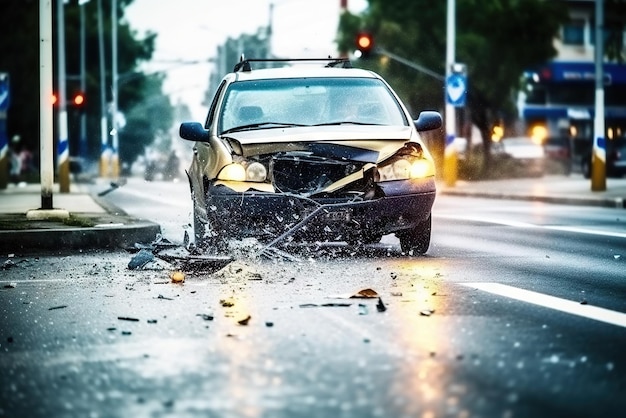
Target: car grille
(305,174)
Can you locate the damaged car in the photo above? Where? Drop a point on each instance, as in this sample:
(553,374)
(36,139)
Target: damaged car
(311,152)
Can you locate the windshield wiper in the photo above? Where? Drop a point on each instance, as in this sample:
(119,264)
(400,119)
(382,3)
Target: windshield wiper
(262,124)
(345,122)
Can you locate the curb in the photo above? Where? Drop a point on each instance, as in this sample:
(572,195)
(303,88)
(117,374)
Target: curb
(615,203)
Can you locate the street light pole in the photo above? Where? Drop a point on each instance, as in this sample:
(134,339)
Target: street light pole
(115,163)
(450,158)
(83,81)
(46,114)
(598,158)
(63,150)
(104,135)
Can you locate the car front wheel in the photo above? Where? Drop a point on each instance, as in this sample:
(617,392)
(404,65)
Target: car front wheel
(416,239)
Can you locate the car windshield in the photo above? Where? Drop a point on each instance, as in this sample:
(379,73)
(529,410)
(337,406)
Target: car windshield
(308,102)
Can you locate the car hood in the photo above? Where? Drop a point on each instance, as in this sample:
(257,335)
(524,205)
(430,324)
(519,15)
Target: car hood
(377,142)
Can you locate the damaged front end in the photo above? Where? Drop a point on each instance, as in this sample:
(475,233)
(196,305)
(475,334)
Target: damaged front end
(321,191)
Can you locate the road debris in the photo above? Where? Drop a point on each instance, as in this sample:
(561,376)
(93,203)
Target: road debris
(427,312)
(245,320)
(113,186)
(177,277)
(11,285)
(57,307)
(380,306)
(127,318)
(206,317)
(227,303)
(175,256)
(325,305)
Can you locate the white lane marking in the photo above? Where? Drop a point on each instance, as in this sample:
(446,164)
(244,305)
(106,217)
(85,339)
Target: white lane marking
(563,305)
(515,224)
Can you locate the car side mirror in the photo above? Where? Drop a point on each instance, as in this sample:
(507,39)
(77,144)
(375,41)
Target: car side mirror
(428,120)
(193,131)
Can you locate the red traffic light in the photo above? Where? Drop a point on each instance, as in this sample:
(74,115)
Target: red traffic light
(365,43)
(79,99)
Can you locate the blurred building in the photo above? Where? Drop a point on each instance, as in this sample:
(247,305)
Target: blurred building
(559,97)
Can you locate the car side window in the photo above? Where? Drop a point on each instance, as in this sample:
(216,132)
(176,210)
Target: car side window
(211,115)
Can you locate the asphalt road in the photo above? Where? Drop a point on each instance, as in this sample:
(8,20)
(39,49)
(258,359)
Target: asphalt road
(517,310)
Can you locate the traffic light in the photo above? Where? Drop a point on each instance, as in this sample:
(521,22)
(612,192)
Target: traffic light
(364,44)
(79,101)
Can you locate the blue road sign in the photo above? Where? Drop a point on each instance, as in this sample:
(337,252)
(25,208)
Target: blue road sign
(4,92)
(456,90)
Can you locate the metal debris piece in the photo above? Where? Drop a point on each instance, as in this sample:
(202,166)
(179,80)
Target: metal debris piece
(11,285)
(427,312)
(140,260)
(331,305)
(245,320)
(206,317)
(57,307)
(365,294)
(164,297)
(127,318)
(113,186)
(380,306)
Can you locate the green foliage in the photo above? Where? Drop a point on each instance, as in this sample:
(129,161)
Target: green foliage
(496,39)
(20,57)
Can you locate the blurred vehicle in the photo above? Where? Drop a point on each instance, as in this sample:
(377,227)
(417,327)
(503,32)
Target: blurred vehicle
(522,155)
(310,152)
(558,153)
(615,159)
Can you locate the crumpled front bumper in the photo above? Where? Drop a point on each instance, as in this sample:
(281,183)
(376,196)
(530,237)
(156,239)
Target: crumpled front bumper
(403,204)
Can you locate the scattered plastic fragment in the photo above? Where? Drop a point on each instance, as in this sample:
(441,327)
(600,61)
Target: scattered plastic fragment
(10,286)
(427,312)
(164,297)
(126,332)
(140,259)
(227,303)
(362,309)
(177,277)
(127,318)
(152,321)
(245,320)
(365,293)
(269,324)
(583,302)
(380,306)
(57,307)
(331,304)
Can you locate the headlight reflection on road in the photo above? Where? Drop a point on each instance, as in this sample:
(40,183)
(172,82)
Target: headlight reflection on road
(425,335)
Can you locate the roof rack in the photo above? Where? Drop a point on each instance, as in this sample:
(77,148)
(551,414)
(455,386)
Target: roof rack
(244,64)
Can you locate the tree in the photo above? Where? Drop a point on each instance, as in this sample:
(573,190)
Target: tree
(497,40)
(20,53)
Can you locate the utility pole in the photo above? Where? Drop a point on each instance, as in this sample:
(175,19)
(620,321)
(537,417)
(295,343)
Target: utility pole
(450,165)
(83,80)
(598,157)
(104,135)
(115,162)
(46,130)
(63,149)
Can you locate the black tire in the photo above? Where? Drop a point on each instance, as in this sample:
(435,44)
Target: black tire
(416,239)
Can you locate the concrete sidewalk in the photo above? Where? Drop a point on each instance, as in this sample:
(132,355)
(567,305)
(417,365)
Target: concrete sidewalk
(79,220)
(93,224)
(558,189)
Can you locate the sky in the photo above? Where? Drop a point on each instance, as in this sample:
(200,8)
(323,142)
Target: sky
(191,30)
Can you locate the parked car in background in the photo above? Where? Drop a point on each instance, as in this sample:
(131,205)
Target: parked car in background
(522,156)
(615,159)
(317,152)
(558,154)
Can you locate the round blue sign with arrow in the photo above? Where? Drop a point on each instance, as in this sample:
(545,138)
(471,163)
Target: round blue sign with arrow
(456,89)
(4,92)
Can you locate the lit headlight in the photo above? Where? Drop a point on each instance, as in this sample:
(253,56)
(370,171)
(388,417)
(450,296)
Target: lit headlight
(256,172)
(233,172)
(403,169)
